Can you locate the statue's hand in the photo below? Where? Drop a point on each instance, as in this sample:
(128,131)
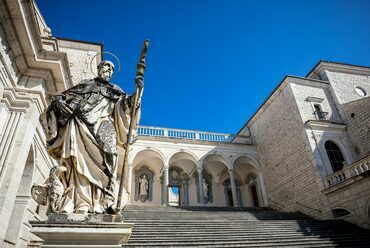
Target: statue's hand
(139,81)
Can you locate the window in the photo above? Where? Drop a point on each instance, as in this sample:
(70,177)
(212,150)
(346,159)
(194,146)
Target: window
(340,212)
(320,115)
(360,91)
(335,156)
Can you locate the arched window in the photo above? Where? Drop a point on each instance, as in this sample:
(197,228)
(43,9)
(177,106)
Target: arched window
(335,155)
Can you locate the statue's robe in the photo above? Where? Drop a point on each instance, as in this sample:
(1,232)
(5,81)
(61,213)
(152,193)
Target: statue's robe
(84,125)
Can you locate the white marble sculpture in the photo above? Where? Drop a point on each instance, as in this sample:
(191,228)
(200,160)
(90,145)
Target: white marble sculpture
(84,125)
(144,186)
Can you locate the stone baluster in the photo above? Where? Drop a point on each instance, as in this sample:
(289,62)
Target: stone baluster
(233,188)
(200,183)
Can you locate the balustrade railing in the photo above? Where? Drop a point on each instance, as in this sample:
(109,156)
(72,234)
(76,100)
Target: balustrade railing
(347,172)
(194,135)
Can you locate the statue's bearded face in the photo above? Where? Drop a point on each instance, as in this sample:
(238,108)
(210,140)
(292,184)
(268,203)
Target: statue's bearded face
(105,71)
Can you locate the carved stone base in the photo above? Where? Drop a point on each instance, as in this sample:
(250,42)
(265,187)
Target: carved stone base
(82,230)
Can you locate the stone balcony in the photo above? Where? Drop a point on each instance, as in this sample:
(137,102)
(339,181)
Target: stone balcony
(194,136)
(348,174)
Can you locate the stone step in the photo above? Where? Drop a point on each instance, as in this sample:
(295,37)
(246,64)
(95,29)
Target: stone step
(235,236)
(271,243)
(239,225)
(243,227)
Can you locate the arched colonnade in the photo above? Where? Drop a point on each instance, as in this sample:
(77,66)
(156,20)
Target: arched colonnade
(210,178)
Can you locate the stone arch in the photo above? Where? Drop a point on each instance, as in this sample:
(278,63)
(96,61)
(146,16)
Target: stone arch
(151,163)
(154,150)
(190,154)
(255,194)
(252,161)
(215,165)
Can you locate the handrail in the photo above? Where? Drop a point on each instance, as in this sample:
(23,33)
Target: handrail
(315,209)
(194,135)
(320,115)
(278,203)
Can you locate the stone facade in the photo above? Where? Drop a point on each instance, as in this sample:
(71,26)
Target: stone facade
(292,179)
(292,129)
(281,162)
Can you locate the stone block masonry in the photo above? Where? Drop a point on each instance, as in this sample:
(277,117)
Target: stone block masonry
(291,175)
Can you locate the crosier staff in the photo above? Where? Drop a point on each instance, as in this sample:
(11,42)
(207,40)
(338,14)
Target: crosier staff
(139,90)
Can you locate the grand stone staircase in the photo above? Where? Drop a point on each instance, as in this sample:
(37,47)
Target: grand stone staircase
(159,226)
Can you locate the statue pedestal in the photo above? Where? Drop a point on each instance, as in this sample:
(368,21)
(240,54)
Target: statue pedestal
(82,230)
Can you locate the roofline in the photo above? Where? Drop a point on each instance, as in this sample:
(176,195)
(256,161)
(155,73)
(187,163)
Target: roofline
(332,62)
(274,90)
(81,41)
(101,44)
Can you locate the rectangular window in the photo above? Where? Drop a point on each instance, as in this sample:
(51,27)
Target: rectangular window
(320,115)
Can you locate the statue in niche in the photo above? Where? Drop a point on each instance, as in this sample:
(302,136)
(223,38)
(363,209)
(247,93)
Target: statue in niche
(205,188)
(83,126)
(144,186)
(144,179)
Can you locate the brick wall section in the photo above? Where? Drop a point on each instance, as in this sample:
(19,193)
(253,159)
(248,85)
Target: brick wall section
(286,158)
(357,117)
(79,62)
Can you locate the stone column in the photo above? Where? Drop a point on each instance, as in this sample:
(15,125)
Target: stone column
(165,185)
(186,193)
(200,184)
(129,184)
(233,188)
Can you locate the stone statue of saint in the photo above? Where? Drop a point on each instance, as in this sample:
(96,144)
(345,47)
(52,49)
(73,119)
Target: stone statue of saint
(83,126)
(205,188)
(144,186)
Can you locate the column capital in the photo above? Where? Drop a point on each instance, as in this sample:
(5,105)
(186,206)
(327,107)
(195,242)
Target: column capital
(200,170)
(230,170)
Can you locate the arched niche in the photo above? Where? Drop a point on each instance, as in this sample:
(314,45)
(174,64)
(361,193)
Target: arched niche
(144,178)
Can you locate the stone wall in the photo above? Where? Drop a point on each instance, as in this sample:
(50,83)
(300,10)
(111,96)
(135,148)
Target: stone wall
(304,89)
(348,103)
(357,116)
(354,198)
(291,176)
(342,85)
(80,55)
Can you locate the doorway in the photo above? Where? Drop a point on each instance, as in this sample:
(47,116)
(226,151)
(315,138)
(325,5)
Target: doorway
(174,195)
(229,198)
(254,195)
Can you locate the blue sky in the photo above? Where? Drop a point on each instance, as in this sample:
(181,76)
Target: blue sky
(211,64)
